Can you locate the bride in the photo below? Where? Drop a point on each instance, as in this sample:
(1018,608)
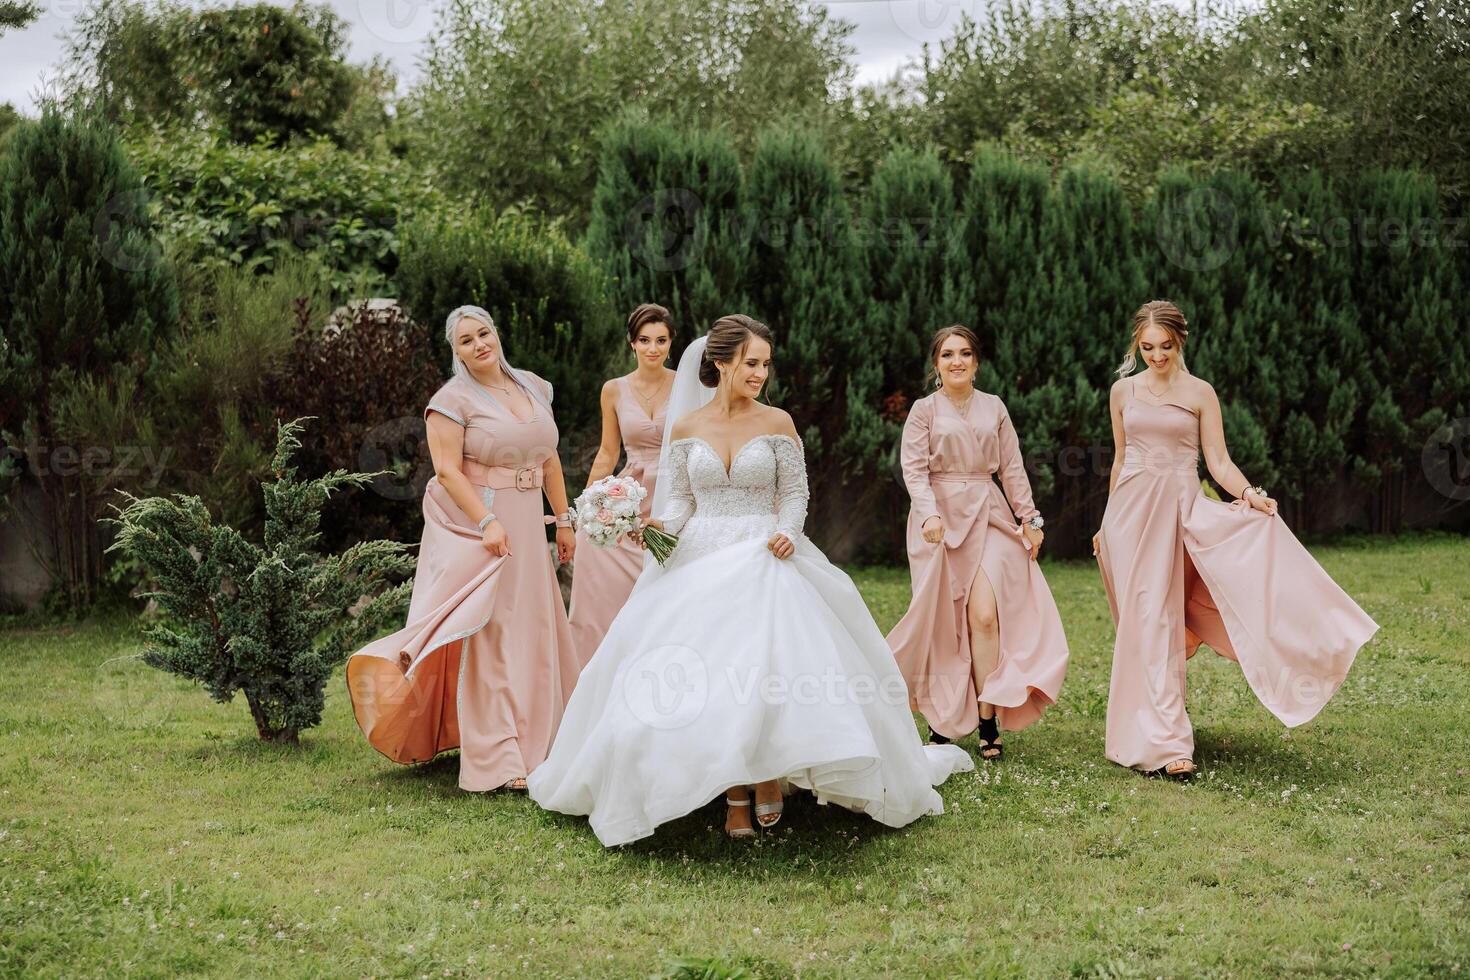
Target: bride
(748,659)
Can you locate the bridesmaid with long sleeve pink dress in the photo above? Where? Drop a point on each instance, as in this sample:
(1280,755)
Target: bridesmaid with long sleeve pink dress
(633,420)
(486,661)
(982,643)
(1181,569)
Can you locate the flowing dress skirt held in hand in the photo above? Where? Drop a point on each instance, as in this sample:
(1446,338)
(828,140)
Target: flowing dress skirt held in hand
(486,662)
(1181,569)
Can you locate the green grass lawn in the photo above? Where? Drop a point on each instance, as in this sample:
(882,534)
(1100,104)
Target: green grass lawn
(145,831)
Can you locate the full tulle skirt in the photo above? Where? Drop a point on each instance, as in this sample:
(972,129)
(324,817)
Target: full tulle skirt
(734,668)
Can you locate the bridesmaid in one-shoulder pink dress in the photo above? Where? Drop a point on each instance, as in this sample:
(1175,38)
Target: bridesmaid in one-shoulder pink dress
(486,661)
(982,641)
(1181,569)
(632,419)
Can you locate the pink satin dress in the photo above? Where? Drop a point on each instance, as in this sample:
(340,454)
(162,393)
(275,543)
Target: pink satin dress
(486,661)
(950,465)
(1181,569)
(602,578)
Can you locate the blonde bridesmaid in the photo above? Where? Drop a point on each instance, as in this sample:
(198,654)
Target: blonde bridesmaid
(486,662)
(1181,569)
(633,421)
(981,644)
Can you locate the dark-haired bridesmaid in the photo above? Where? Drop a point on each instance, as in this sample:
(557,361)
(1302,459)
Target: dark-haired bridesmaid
(1181,569)
(981,644)
(632,421)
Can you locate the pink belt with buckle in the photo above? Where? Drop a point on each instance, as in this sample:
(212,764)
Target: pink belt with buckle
(502,477)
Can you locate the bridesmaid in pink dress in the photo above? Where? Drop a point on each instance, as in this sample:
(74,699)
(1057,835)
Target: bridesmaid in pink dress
(1181,569)
(632,419)
(982,641)
(486,661)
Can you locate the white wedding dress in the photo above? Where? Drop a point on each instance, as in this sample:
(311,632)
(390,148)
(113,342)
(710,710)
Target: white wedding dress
(730,666)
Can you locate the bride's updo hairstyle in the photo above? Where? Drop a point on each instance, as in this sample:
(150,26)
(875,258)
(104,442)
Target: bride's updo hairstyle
(725,343)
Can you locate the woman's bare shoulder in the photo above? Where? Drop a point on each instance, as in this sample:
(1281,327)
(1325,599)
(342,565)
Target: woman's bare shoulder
(773,421)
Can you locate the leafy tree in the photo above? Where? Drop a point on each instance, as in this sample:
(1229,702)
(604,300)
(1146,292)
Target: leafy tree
(515,92)
(254,207)
(250,72)
(270,620)
(549,301)
(1393,78)
(365,378)
(267,72)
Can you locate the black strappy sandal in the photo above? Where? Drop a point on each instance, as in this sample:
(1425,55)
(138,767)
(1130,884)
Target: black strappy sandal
(989,734)
(937,739)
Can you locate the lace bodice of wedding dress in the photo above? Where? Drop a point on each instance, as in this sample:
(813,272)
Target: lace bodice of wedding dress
(709,508)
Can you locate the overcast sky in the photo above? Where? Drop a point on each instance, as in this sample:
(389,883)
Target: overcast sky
(889,32)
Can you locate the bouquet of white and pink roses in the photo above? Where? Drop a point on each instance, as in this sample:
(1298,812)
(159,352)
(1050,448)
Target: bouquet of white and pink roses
(610,508)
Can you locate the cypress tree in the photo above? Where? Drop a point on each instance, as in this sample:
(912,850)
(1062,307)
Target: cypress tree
(908,217)
(1063,360)
(1323,351)
(666,220)
(88,304)
(1405,283)
(803,281)
(1211,252)
(994,261)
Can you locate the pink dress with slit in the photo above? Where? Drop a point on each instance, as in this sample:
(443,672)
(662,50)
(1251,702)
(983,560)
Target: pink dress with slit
(950,463)
(603,577)
(486,661)
(1181,569)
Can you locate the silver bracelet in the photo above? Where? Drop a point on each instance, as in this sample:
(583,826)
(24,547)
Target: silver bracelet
(564,519)
(486,520)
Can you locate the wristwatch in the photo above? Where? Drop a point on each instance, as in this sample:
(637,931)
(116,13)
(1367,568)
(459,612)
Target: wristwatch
(1036,523)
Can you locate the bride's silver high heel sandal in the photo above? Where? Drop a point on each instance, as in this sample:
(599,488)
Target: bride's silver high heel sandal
(739,833)
(768,809)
